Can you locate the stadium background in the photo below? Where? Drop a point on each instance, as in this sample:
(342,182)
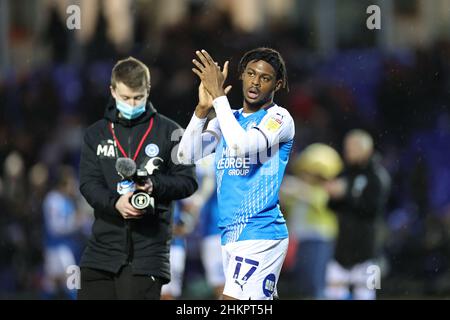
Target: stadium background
(393,82)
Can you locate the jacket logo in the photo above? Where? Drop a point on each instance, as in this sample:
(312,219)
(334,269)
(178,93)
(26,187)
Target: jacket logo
(359,185)
(152,150)
(153,164)
(106,150)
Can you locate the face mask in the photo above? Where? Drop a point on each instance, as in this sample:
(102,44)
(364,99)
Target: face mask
(130,112)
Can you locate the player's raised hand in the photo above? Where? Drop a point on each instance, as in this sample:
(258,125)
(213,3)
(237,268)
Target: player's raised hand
(205,101)
(211,76)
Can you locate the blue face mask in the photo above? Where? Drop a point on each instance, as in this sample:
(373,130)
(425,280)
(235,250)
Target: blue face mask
(130,112)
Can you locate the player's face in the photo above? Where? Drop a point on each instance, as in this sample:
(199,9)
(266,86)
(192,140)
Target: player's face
(259,83)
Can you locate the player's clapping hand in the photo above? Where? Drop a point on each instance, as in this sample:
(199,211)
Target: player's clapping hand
(205,102)
(211,76)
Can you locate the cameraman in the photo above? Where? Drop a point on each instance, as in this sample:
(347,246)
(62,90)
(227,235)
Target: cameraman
(127,256)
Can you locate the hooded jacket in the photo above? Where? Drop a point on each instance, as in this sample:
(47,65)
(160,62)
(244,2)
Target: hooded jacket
(115,241)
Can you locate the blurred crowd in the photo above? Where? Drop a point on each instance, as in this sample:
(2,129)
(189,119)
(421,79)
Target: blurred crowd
(400,97)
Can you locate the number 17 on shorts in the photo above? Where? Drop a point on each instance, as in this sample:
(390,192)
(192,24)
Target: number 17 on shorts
(253,275)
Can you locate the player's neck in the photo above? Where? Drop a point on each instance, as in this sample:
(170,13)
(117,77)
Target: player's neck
(248,108)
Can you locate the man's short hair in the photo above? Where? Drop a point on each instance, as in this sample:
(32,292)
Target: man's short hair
(364,139)
(132,73)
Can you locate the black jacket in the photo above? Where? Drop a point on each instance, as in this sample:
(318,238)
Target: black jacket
(143,242)
(360,213)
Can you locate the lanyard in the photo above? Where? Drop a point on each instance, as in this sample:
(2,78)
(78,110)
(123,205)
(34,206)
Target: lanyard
(111,128)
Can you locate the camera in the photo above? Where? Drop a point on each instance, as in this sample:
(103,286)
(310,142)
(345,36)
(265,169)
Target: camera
(131,178)
(141,199)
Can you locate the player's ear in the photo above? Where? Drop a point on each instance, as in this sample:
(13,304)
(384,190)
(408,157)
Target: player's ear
(278,85)
(148,89)
(112,92)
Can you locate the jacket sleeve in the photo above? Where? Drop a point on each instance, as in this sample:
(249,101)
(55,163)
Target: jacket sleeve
(93,185)
(365,204)
(178,182)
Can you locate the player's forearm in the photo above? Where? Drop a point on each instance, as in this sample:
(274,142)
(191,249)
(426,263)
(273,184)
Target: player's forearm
(190,147)
(241,142)
(201,112)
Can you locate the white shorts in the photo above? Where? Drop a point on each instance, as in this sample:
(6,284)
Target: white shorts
(57,259)
(339,279)
(356,275)
(252,268)
(177,263)
(211,253)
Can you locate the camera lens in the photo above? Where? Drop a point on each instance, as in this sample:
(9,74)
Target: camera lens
(141,200)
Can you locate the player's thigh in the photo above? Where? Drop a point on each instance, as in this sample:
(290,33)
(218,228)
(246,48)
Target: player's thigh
(254,268)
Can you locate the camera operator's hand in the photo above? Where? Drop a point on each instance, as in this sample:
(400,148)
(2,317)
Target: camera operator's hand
(147,187)
(125,208)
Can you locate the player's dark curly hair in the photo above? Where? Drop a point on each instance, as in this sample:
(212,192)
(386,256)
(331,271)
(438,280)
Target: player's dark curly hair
(270,56)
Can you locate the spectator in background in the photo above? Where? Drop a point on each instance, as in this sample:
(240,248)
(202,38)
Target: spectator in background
(118,32)
(181,228)
(15,180)
(312,223)
(358,196)
(204,202)
(62,222)
(13,236)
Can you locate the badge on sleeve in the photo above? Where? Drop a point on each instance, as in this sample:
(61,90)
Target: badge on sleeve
(273,124)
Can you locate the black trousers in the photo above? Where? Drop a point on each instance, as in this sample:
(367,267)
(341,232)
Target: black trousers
(103,285)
